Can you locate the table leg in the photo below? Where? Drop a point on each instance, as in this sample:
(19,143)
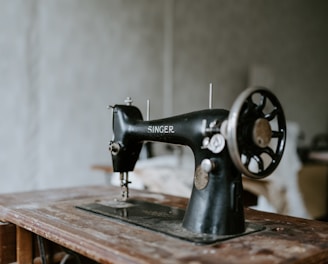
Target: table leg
(24,249)
(7,243)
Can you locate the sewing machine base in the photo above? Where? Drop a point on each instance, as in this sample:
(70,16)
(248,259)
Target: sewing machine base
(159,218)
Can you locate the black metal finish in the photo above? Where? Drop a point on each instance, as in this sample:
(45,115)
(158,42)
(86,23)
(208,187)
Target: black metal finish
(216,204)
(249,113)
(124,118)
(216,209)
(42,250)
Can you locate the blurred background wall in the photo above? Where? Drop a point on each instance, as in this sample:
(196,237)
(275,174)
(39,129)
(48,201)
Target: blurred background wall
(62,62)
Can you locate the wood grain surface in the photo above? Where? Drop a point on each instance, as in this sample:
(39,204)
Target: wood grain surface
(52,215)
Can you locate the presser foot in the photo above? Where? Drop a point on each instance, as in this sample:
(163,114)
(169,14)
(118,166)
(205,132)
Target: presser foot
(159,218)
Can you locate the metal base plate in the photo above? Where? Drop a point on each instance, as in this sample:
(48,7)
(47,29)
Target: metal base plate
(160,218)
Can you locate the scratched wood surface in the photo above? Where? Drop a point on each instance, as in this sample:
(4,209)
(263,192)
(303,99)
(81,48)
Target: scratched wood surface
(52,214)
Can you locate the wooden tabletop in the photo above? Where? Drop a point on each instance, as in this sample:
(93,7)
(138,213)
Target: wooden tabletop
(53,215)
(319,156)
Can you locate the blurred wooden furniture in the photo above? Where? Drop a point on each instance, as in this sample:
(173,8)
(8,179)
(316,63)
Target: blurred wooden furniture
(7,242)
(313,181)
(51,216)
(104,168)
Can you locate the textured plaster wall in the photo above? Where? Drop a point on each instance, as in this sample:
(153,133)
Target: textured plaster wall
(62,62)
(226,41)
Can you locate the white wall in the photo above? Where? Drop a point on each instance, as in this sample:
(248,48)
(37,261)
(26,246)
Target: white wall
(62,62)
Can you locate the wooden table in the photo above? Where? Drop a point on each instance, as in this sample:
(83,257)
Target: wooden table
(52,216)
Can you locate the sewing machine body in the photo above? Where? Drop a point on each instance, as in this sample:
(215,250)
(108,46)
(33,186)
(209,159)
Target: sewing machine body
(225,145)
(215,205)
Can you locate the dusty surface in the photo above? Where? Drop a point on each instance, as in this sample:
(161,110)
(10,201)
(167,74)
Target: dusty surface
(52,214)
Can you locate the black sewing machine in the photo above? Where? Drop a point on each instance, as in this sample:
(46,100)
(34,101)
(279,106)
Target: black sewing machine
(248,140)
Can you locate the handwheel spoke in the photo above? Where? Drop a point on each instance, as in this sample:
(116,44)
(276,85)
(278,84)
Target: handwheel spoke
(277,134)
(247,161)
(270,152)
(259,162)
(250,102)
(271,115)
(252,106)
(262,103)
(249,105)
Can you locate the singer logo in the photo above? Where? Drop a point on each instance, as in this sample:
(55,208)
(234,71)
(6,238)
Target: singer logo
(161,129)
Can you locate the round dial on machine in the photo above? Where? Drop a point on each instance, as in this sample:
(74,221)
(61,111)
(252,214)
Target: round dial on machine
(256,132)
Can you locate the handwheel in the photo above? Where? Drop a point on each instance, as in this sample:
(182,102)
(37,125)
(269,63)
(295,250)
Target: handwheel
(256,132)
